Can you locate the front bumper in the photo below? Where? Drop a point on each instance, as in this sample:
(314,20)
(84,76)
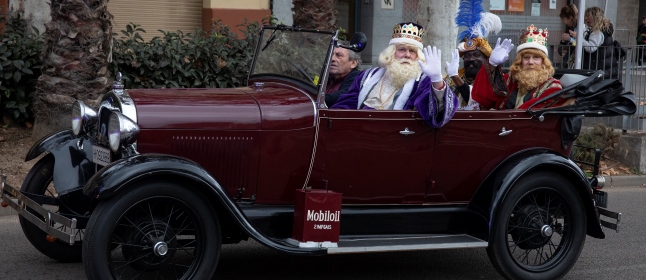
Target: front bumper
(53,224)
(601,202)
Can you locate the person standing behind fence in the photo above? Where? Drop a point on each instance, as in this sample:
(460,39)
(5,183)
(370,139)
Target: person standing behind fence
(569,16)
(641,40)
(597,42)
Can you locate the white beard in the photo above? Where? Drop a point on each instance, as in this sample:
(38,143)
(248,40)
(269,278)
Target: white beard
(399,73)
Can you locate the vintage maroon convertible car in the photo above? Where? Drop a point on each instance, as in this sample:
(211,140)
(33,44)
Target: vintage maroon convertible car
(155,180)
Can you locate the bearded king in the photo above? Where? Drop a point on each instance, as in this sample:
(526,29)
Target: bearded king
(409,78)
(529,78)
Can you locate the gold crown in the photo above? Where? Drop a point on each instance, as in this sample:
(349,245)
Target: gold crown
(408,30)
(531,34)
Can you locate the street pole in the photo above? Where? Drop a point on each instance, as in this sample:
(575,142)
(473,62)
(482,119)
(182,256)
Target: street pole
(579,35)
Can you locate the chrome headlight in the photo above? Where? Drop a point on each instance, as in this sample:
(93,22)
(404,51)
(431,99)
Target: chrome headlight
(122,131)
(83,117)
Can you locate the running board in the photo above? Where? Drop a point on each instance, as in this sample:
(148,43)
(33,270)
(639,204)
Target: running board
(364,244)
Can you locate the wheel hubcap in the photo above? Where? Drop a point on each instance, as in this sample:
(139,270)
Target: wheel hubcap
(533,228)
(152,245)
(547,231)
(160,249)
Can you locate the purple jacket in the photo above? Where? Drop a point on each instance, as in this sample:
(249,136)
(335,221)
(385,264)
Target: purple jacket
(417,94)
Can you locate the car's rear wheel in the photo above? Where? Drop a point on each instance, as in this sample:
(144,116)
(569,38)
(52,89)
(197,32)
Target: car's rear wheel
(153,230)
(539,230)
(40,181)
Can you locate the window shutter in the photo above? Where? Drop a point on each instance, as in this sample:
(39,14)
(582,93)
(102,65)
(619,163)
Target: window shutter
(153,15)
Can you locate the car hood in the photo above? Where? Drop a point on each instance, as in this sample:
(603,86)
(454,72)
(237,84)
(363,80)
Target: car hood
(208,108)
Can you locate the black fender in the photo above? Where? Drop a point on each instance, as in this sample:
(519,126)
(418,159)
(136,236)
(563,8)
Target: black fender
(125,173)
(73,165)
(493,190)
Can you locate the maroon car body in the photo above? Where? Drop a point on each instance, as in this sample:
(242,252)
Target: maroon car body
(155,180)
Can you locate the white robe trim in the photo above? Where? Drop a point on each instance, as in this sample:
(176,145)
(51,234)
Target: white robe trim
(373,78)
(403,97)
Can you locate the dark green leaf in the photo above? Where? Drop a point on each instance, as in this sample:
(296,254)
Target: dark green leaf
(16,76)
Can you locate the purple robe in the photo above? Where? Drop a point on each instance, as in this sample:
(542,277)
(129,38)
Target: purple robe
(417,94)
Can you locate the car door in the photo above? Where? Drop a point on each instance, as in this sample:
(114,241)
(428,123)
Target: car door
(376,157)
(473,143)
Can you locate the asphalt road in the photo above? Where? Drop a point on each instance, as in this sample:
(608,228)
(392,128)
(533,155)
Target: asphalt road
(620,255)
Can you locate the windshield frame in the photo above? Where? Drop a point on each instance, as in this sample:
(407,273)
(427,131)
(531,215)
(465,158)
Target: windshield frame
(317,89)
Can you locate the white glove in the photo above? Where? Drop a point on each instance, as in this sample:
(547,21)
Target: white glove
(433,66)
(452,67)
(500,53)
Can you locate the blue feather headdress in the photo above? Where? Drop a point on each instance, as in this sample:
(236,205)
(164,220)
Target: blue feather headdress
(478,22)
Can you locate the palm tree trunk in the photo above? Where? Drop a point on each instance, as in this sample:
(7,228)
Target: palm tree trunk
(75,62)
(438,19)
(319,15)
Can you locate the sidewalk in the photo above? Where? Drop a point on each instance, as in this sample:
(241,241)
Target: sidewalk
(625,181)
(611,181)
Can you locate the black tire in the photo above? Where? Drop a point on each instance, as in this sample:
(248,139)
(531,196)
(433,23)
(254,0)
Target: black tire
(123,232)
(539,230)
(40,180)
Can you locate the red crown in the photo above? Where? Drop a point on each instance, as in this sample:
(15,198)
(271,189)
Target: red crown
(531,34)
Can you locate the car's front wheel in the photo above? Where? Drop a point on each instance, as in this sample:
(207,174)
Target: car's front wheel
(539,230)
(156,229)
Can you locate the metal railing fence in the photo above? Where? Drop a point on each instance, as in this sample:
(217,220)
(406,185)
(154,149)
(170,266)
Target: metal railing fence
(630,69)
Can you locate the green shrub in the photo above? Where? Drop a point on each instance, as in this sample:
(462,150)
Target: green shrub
(20,65)
(217,58)
(599,136)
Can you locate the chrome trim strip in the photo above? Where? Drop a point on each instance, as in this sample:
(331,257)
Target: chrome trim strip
(452,203)
(344,250)
(384,119)
(408,243)
(375,119)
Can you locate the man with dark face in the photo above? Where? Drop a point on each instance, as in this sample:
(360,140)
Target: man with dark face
(474,51)
(461,80)
(473,61)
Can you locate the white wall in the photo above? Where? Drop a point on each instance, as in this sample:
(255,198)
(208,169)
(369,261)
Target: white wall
(282,9)
(36,12)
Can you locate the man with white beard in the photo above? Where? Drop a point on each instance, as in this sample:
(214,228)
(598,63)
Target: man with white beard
(410,77)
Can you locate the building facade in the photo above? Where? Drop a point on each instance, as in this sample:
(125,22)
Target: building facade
(373,17)
(167,15)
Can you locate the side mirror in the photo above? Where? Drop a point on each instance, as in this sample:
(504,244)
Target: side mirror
(357,42)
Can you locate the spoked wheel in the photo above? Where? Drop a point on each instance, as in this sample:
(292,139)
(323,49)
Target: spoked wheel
(154,231)
(40,181)
(540,229)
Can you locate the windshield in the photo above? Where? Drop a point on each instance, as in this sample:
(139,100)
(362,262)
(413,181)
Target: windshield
(296,53)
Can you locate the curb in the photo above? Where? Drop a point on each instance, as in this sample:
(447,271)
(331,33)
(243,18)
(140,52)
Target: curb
(625,181)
